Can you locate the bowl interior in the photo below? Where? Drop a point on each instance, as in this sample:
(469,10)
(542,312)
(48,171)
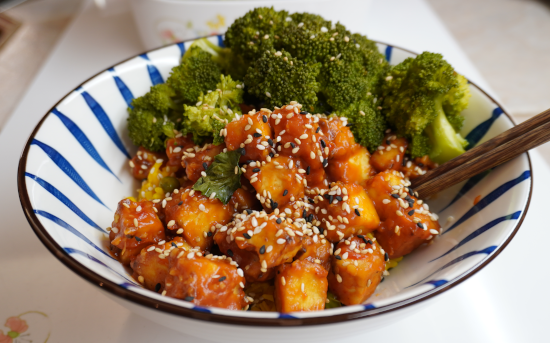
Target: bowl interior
(75,170)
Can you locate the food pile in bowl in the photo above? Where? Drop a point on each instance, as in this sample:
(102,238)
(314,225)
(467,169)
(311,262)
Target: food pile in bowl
(275,171)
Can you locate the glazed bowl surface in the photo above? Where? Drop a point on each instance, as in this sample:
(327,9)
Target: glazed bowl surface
(74,170)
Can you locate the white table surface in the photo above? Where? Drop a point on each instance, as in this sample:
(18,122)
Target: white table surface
(505,302)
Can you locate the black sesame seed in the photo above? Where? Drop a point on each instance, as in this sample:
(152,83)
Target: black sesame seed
(304,213)
(388,142)
(248,211)
(330,198)
(137,239)
(327,196)
(321,230)
(173,244)
(411,190)
(311,201)
(246,235)
(270,141)
(349,125)
(304,112)
(209,234)
(318,129)
(292,145)
(222,278)
(386,257)
(310,218)
(157,287)
(180,203)
(271,155)
(189,298)
(242,151)
(285,192)
(361,236)
(325,163)
(420,225)
(327,113)
(262,250)
(421,165)
(357,212)
(395,196)
(369,241)
(323,144)
(279,220)
(204,165)
(274,205)
(250,161)
(229,253)
(255,170)
(308,170)
(411,212)
(338,257)
(256,135)
(264,118)
(339,198)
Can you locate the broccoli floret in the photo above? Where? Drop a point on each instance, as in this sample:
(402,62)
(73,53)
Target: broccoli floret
(213,111)
(423,99)
(368,123)
(255,32)
(150,117)
(230,63)
(277,78)
(196,74)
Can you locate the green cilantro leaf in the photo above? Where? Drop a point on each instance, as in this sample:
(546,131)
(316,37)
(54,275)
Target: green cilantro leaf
(221,177)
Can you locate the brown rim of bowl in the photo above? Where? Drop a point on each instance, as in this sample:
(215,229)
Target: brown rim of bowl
(143,300)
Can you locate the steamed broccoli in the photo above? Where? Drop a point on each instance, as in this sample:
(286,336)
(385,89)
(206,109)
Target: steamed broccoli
(255,32)
(151,116)
(230,63)
(213,111)
(277,78)
(423,99)
(196,74)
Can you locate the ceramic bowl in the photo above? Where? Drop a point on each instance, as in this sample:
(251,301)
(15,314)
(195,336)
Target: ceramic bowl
(74,170)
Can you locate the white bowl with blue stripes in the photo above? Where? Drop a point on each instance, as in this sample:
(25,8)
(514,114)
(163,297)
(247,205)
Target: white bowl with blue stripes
(74,170)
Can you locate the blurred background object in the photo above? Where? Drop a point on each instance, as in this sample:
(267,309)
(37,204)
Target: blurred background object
(162,22)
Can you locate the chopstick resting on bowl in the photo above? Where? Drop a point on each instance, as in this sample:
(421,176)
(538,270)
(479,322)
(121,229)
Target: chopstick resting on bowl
(497,150)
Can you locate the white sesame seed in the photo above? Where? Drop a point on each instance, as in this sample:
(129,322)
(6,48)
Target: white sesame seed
(434,232)
(240,272)
(338,278)
(345,256)
(281,241)
(283,281)
(202,208)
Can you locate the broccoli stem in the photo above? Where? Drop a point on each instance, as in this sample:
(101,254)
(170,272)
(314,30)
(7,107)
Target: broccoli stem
(446,142)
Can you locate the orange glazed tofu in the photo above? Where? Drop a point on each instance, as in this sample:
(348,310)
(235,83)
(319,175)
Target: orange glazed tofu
(347,210)
(338,138)
(301,286)
(151,265)
(192,215)
(205,280)
(175,147)
(252,133)
(390,154)
(143,161)
(272,239)
(406,221)
(276,181)
(315,249)
(352,167)
(135,226)
(356,271)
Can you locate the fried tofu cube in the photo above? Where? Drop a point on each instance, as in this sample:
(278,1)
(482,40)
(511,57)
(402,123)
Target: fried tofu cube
(338,138)
(353,167)
(390,154)
(299,135)
(276,182)
(347,210)
(243,200)
(252,133)
(301,286)
(192,215)
(205,280)
(135,226)
(407,223)
(357,267)
(197,160)
(151,265)
(315,249)
(272,239)
(175,147)
(143,161)
(418,166)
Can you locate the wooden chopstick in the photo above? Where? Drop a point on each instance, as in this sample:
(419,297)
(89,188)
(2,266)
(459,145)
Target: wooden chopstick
(499,149)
